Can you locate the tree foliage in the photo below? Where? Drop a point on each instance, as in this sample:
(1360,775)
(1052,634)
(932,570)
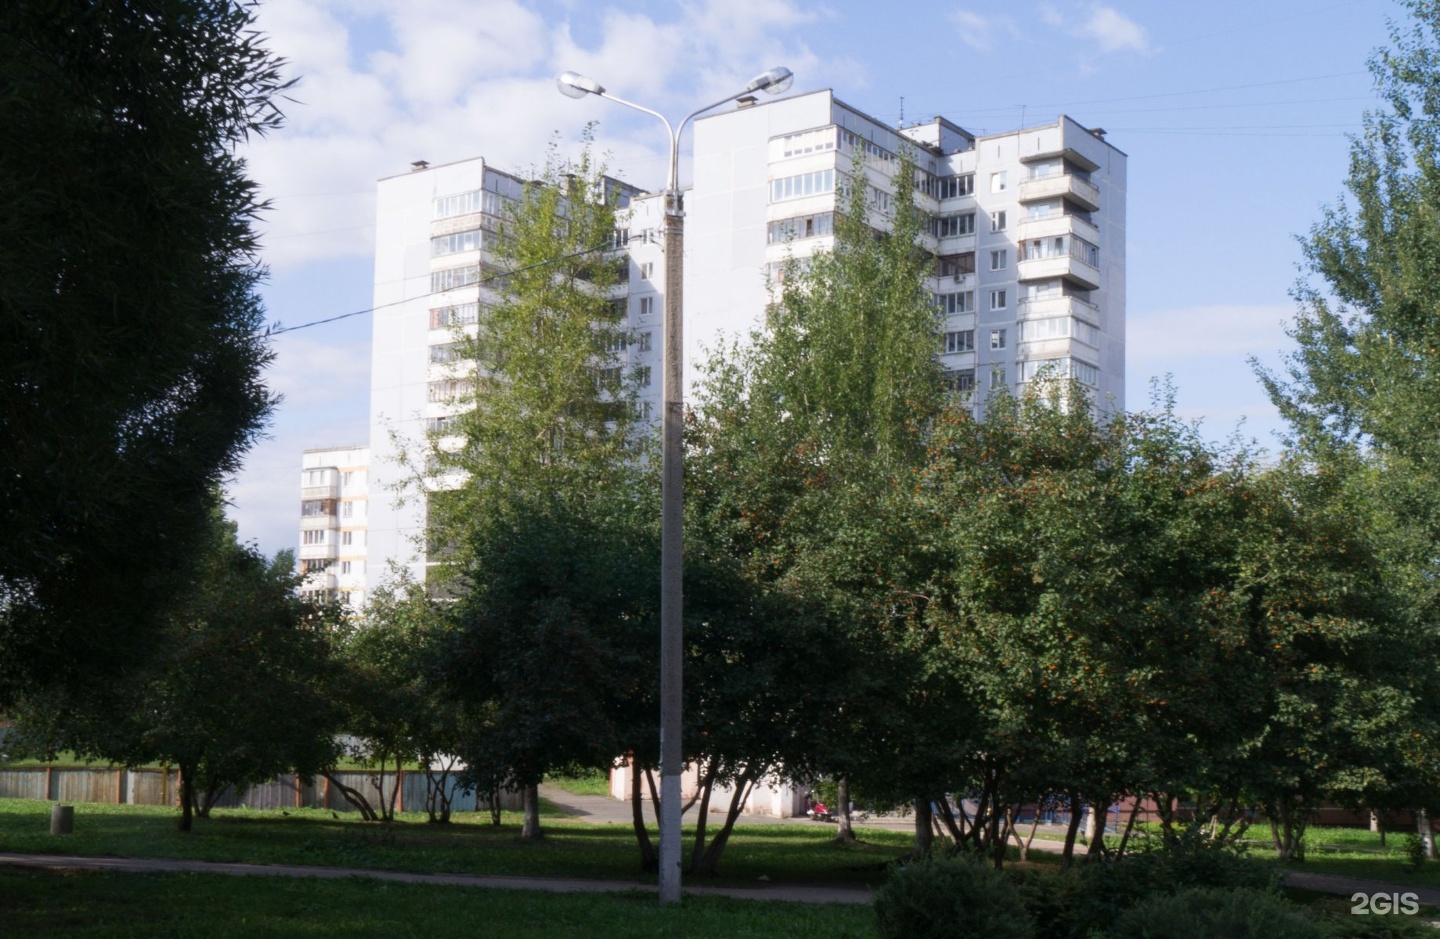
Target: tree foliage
(542,514)
(129,324)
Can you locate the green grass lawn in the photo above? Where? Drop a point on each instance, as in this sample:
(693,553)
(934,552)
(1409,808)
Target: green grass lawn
(594,783)
(39,904)
(782,853)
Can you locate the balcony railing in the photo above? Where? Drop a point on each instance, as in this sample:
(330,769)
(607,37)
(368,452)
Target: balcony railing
(1062,185)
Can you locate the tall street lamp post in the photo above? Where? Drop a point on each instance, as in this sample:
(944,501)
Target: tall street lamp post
(572,85)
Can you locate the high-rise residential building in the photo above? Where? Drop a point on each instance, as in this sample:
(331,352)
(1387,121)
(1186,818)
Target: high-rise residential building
(435,227)
(1027,228)
(334,504)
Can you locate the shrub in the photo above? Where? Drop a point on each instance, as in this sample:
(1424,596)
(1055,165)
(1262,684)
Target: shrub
(950,898)
(1208,912)
(1067,904)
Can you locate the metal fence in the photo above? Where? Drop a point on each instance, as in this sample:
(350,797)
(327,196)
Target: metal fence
(156,787)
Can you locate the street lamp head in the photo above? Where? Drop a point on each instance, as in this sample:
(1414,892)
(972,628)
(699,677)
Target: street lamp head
(575,85)
(773,82)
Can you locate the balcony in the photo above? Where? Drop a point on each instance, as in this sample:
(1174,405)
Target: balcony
(1044,308)
(1053,225)
(1063,186)
(1065,266)
(315,552)
(319,522)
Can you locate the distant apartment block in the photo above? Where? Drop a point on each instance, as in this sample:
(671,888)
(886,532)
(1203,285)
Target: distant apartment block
(1027,229)
(334,507)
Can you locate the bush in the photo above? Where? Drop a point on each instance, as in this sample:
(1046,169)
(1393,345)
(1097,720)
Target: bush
(1067,904)
(1205,913)
(950,898)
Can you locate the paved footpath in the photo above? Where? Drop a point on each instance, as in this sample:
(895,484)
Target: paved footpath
(603,810)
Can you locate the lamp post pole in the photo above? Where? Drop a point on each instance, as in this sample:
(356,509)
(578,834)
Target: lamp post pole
(672,468)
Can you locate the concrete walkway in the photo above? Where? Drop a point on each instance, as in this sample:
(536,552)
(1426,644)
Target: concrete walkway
(603,810)
(794,894)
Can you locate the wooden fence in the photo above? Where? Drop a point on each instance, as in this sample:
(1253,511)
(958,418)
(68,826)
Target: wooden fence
(117,786)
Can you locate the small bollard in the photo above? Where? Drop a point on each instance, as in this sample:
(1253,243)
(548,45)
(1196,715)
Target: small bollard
(62,820)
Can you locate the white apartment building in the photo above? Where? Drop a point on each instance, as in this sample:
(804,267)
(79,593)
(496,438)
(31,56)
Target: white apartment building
(434,231)
(1028,230)
(334,505)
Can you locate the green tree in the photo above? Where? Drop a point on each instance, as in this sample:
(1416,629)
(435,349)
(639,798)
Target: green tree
(804,444)
(395,703)
(238,693)
(551,491)
(130,331)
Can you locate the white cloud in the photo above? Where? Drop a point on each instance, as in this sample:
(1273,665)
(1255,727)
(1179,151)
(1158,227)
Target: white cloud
(1115,31)
(980,32)
(325,388)
(1102,25)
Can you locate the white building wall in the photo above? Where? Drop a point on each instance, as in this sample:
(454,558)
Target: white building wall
(334,500)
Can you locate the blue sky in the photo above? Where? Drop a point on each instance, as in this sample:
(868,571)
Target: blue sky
(1233,115)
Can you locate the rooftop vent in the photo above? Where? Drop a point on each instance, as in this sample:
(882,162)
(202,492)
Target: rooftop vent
(419,165)
(746,101)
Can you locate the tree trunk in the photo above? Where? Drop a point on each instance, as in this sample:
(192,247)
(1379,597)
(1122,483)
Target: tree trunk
(947,817)
(354,796)
(706,787)
(1129,826)
(1076,808)
(710,861)
(846,832)
(530,831)
(1030,839)
(1426,833)
(187,797)
(1095,830)
(924,834)
(649,860)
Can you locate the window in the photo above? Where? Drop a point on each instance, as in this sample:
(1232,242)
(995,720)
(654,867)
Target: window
(616,342)
(461,314)
(811,141)
(347,478)
(312,537)
(643,342)
(948,226)
(999,260)
(879,199)
(314,477)
(1085,251)
(950,304)
(647,270)
(347,537)
(608,378)
(955,265)
(997,377)
(801,226)
(804,184)
(314,508)
(1043,290)
(444,354)
(997,221)
(462,203)
(1060,368)
(443,392)
(1039,210)
(960,341)
(997,299)
(456,243)
(346,566)
(315,565)
(646,306)
(961,380)
(620,238)
(441,425)
(453,278)
(953,187)
(997,339)
(347,510)
(642,376)
(998,181)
